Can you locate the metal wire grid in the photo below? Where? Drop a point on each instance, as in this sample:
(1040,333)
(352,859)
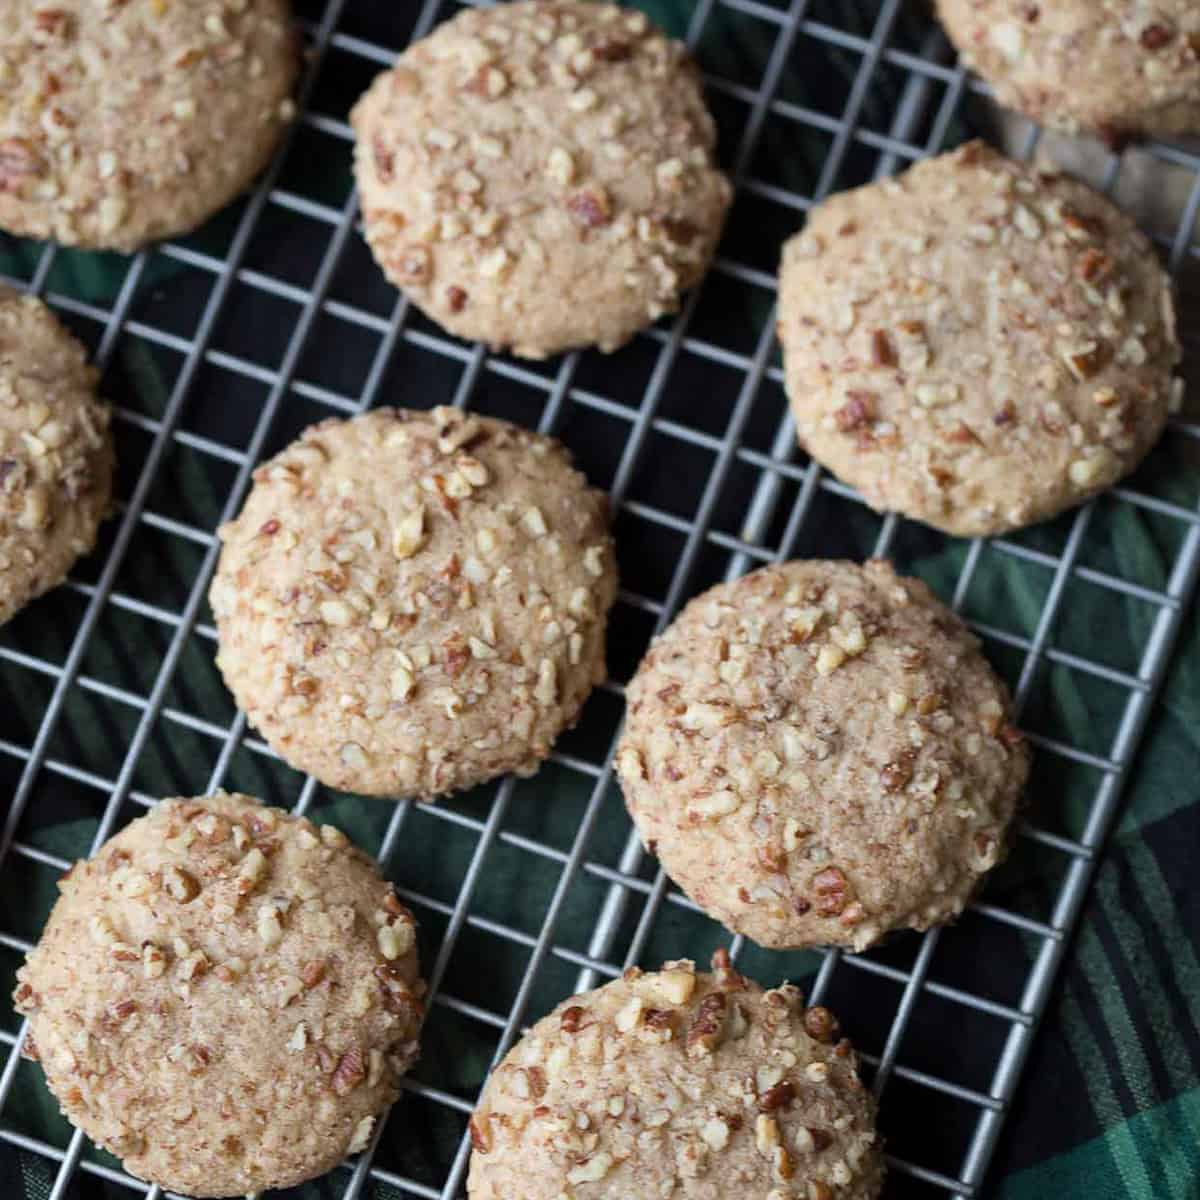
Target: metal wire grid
(927,75)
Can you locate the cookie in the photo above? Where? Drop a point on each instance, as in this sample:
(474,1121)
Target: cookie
(56,456)
(677,1083)
(977,344)
(225,997)
(540,176)
(818,753)
(1115,67)
(411,603)
(122,122)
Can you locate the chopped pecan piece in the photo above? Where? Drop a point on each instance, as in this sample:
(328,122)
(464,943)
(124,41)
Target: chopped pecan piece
(350,1072)
(883,353)
(820,1023)
(832,890)
(1155,37)
(613,50)
(895,775)
(705,1033)
(572,1018)
(18,162)
(481,1133)
(590,208)
(822,1139)
(385,159)
(780,1096)
(857,413)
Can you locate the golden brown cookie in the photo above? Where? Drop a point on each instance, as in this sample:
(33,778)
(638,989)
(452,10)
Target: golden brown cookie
(225,997)
(123,121)
(1116,67)
(540,176)
(819,753)
(411,603)
(56,456)
(977,344)
(676,1083)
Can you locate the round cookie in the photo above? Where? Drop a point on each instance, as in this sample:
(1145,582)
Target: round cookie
(56,456)
(1116,67)
(225,997)
(818,753)
(976,344)
(411,603)
(674,1083)
(539,175)
(123,121)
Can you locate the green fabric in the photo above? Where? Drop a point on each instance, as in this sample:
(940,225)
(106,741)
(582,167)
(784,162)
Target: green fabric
(1110,1104)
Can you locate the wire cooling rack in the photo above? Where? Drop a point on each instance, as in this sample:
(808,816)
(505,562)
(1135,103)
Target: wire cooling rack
(218,348)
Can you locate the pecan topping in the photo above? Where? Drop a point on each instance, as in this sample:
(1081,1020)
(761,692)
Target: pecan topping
(456,655)
(883,353)
(456,299)
(681,232)
(857,412)
(659,1021)
(831,887)
(1095,266)
(17,162)
(822,1139)
(773,858)
(181,884)
(1010,735)
(895,775)
(1082,226)
(590,208)
(350,1072)
(571,1020)
(1085,360)
(728,979)
(705,1033)
(312,973)
(481,1133)
(780,1096)
(49,23)
(820,1024)
(613,50)
(1155,37)
(385,160)
(962,435)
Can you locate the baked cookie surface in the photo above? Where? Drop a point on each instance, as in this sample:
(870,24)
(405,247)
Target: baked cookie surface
(56,455)
(976,344)
(225,997)
(540,176)
(1115,67)
(125,121)
(818,753)
(678,1083)
(411,603)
